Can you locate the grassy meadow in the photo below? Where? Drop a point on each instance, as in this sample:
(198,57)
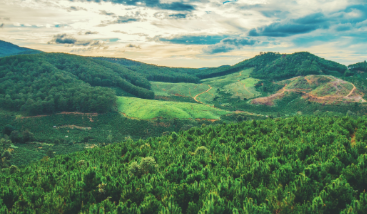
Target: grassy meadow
(149,109)
(178,89)
(238,84)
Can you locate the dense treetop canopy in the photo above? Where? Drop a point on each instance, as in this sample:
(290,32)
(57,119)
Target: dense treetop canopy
(157,73)
(270,65)
(291,165)
(9,49)
(360,66)
(45,83)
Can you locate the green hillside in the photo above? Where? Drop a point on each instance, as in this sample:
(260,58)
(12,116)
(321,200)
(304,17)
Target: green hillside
(358,67)
(258,61)
(301,63)
(156,73)
(48,83)
(237,85)
(293,165)
(317,88)
(148,109)
(9,49)
(270,65)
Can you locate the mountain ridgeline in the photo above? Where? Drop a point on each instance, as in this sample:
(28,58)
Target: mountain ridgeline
(156,73)
(360,66)
(9,49)
(277,66)
(47,83)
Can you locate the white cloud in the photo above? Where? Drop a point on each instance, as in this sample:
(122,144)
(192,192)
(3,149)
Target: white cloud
(34,22)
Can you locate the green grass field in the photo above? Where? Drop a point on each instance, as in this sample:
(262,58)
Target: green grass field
(180,89)
(148,109)
(243,89)
(222,81)
(238,84)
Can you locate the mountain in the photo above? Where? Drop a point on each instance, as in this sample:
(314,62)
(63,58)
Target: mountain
(271,65)
(9,49)
(358,67)
(52,82)
(156,73)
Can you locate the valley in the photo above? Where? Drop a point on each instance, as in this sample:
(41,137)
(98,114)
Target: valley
(275,133)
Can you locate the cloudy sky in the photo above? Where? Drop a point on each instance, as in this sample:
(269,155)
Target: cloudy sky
(188,33)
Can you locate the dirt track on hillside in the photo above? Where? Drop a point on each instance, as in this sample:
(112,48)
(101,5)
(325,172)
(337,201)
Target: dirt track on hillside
(195,98)
(321,99)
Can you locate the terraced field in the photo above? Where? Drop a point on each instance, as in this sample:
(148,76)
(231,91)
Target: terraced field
(149,109)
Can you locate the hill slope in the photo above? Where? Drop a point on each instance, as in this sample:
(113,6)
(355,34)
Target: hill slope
(317,88)
(148,109)
(45,83)
(272,66)
(9,49)
(156,73)
(358,67)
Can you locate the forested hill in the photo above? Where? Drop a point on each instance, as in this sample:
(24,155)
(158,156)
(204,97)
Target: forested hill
(272,65)
(298,64)
(9,49)
(51,82)
(157,73)
(360,66)
(257,61)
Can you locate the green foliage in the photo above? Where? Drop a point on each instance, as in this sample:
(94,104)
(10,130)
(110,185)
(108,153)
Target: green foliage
(298,64)
(147,165)
(360,66)
(8,129)
(156,73)
(48,83)
(272,66)
(8,49)
(292,165)
(257,62)
(148,109)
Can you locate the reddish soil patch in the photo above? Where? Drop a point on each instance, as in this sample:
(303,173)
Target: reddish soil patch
(269,101)
(133,118)
(162,124)
(33,116)
(353,96)
(203,119)
(74,126)
(179,95)
(161,98)
(79,113)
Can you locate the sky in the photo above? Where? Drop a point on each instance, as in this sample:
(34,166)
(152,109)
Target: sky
(188,33)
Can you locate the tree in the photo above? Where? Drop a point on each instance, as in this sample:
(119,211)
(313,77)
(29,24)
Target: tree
(27,136)
(15,137)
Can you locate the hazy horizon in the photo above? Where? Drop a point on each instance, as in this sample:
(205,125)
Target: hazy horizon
(188,33)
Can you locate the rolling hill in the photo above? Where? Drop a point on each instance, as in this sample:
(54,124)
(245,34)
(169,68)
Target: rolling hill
(316,88)
(9,49)
(53,82)
(149,109)
(156,73)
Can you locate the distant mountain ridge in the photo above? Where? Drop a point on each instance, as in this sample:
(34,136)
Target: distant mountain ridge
(9,49)
(155,72)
